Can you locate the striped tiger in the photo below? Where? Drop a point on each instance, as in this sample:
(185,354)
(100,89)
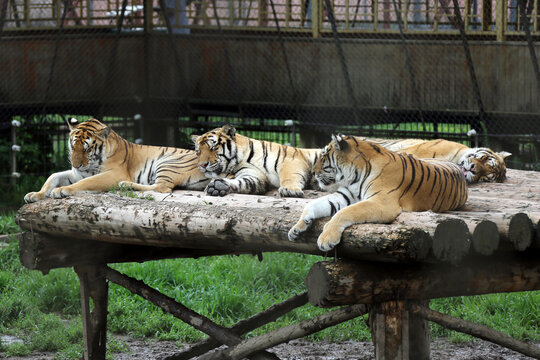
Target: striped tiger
(478,164)
(375,185)
(101,159)
(237,163)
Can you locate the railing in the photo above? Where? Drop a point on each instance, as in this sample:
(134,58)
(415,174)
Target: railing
(481,17)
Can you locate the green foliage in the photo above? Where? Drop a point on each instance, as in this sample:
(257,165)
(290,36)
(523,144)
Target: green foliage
(128,191)
(8,225)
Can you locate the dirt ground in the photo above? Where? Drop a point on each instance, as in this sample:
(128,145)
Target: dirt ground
(441,349)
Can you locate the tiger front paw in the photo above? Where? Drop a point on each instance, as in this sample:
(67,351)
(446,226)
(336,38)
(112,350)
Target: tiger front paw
(328,239)
(300,227)
(219,187)
(33,197)
(291,191)
(60,192)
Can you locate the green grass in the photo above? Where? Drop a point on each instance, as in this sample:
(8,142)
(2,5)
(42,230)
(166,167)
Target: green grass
(44,311)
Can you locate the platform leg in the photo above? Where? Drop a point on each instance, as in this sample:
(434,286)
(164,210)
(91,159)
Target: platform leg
(398,334)
(94,321)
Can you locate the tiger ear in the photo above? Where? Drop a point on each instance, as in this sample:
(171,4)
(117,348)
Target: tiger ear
(229,130)
(72,123)
(339,141)
(104,133)
(504,154)
(195,138)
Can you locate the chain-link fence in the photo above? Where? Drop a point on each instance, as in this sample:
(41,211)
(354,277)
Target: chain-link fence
(291,71)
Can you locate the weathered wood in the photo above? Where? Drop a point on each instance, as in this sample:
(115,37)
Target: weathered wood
(288,333)
(239,223)
(397,334)
(41,252)
(343,283)
(244,326)
(178,310)
(452,240)
(93,285)
(521,231)
(485,237)
(476,330)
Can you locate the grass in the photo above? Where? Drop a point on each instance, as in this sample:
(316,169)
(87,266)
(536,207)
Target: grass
(128,191)
(44,311)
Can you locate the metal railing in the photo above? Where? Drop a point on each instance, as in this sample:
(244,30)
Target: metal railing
(419,17)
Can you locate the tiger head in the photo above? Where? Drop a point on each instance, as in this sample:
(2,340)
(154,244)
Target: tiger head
(87,144)
(216,151)
(483,164)
(333,167)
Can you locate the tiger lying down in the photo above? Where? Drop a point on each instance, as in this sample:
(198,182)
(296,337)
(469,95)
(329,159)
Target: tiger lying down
(477,164)
(375,185)
(236,163)
(101,159)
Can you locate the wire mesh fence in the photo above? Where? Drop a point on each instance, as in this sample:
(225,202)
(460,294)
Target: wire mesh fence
(290,71)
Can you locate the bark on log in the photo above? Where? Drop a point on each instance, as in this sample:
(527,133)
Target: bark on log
(476,330)
(343,283)
(288,333)
(240,223)
(244,326)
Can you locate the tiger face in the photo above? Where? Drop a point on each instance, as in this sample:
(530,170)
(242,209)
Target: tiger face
(87,145)
(216,151)
(333,168)
(482,164)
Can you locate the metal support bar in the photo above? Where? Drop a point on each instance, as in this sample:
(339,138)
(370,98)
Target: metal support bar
(476,89)
(341,56)
(525,22)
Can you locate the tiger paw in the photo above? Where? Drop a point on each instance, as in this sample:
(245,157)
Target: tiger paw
(60,192)
(328,240)
(292,191)
(218,187)
(33,197)
(300,227)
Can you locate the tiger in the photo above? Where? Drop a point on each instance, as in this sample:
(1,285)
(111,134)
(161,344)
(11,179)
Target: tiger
(375,185)
(478,164)
(102,159)
(237,163)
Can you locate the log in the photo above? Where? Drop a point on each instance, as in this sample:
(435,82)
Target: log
(343,282)
(43,253)
(169,305)
(397,333)
(240,223)
(477,330)
(521,231)
(288,333)
(452,240)
(245,326)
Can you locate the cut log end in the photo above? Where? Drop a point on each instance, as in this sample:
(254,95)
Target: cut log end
(451,241)
(486,238)
(521,231)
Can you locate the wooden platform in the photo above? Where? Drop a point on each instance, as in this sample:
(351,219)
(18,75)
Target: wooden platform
(391,270)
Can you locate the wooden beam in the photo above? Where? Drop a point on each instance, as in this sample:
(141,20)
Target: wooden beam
(93,285)
(244,326)
(43,253)
(178,310)
(476,330)
(288,333)
(343,283)
(397,333)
